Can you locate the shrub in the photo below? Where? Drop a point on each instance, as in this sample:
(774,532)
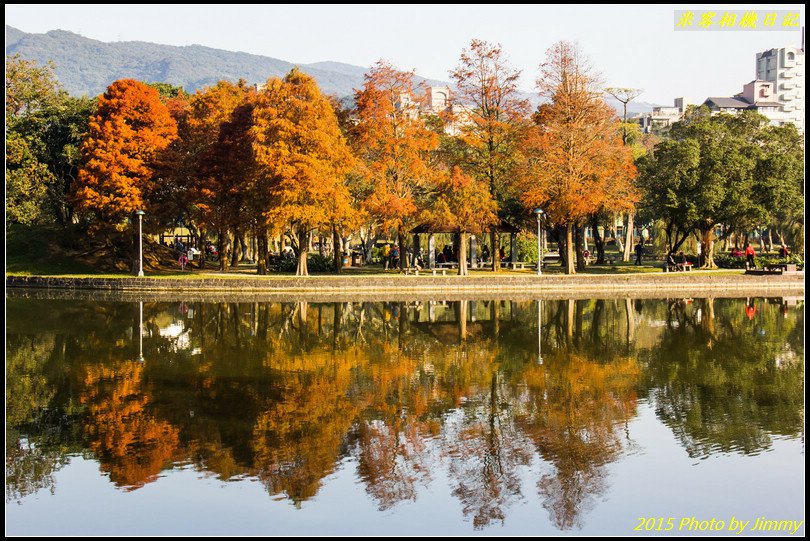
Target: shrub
(526,246)
(316,263)
(729,262)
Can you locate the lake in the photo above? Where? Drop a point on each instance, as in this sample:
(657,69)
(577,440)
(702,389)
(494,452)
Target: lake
(528,417)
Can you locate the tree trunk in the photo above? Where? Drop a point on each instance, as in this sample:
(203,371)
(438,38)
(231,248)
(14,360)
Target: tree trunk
(628,245)
(598,241)
(261,249)
(402,255)
(462,254)
(762,248)
(336,255)
(770,239)
(559,237)
(707,241)
(578,235)
(203,244)
(244,247)
(223,249)
(569,250)
(235,250)
(303,248)
(496,253)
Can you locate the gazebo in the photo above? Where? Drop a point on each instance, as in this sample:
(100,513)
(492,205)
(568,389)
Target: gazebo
(431,230)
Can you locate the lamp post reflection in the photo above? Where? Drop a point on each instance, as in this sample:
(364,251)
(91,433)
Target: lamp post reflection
(140,331)
(539,331)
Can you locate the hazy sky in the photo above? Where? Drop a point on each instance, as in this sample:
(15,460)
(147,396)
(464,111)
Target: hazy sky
(631,46)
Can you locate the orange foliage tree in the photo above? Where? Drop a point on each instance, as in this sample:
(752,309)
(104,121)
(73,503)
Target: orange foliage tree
(463,204)
(576,161)
(227,176)
(302,159)
(200,166)
(395,145)
(491,115)
(127,133)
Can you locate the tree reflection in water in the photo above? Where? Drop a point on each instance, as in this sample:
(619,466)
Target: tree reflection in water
(494,393)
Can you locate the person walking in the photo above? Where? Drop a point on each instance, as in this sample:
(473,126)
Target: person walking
(749,256)
(395,256)
(386,252)
(639,253)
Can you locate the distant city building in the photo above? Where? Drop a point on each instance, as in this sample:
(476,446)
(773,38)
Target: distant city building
(777,93)
(437,100)
(784,67)
(663,117)
(756,96)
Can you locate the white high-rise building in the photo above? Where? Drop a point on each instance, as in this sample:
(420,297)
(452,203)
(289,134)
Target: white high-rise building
(785,68)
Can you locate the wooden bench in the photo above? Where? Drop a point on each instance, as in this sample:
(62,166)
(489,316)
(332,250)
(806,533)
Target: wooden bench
(412,270)
(448,265)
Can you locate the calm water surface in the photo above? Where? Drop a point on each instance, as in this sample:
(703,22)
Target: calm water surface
(490,417)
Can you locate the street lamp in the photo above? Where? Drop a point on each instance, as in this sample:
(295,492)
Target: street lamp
(539,213)
(140,214)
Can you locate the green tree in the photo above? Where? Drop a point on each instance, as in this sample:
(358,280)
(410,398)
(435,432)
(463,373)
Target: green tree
(44,131)
(722,170)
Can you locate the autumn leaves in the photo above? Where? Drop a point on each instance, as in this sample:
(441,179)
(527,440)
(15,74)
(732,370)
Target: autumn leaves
(284,161)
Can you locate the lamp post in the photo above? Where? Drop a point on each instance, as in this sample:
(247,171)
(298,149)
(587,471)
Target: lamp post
(140,214)
(539,213)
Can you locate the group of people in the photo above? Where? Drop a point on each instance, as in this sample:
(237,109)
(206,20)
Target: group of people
(390,256)
(750,254)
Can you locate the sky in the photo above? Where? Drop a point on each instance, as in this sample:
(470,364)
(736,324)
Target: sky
(631,46)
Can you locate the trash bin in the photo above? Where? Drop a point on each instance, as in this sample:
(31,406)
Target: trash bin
(345,260)
(357,259)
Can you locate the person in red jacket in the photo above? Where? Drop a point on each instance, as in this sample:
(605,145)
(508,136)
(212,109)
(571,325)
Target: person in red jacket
(749,256)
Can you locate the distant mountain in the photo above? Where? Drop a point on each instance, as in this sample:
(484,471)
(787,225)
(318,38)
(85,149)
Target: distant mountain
(86,66)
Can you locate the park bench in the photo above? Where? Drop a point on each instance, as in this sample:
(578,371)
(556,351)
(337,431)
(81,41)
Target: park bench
(783,267)
(678,267)
(443,271)
(550,259)
(521,265)
(412,270)
(448,265)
